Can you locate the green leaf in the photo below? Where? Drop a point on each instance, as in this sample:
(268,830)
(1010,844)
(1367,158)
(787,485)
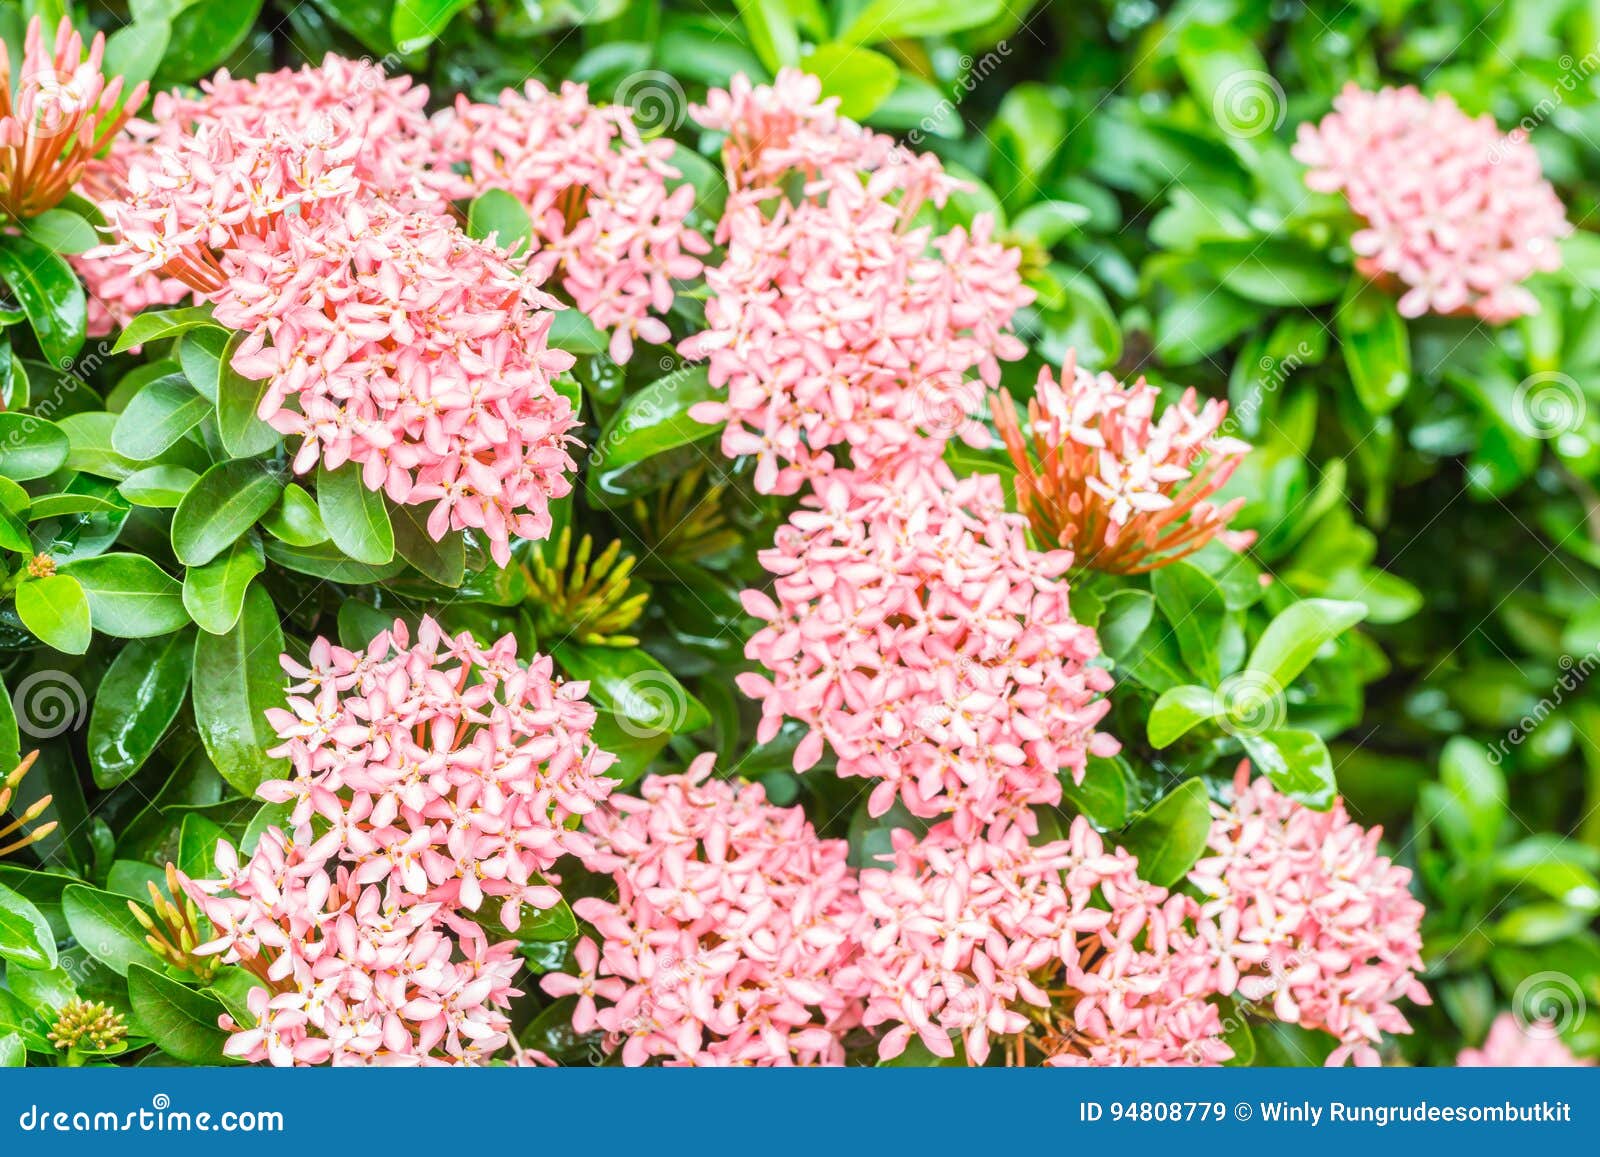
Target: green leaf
(548,925)
(137,701)
(130,597)
(102,923)
(295,519)
(416,24)
(356,518)
(226,501)
(444,561)
(160,325)
(25,936)
(62,231)
(200,353)
(772,32)
(181,1021)
(214,593)
(197,845)
(1169,837)
(57,610)
(50,294)
(1103,794)
(861,78)
(648,422)
(13,1053)
(159,487)
(31,447)
(1194,604)
(244,435)
(897,19)
(134,51)
(1297,763)
(1377,349)
(1273,272)
(236,678)
(327,561)
(644,695)
(1179,711)
(496,213)
(1293,639)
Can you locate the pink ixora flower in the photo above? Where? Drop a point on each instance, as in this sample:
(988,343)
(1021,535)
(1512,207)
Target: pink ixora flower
(728,937)
(915,633)
(390,339)
(1099,474)
(596,193)
(1454,210)
(1313,922)
(1512,1044)
(1059,952)
(428,777)
(836,321)
(55,115)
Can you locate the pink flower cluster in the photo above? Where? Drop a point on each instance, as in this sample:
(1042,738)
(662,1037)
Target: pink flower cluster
(834,320)
(1511,1045)
(429,777)
(596,193)
(1312,919)
(917,635)
(403,345)
(730,934)
(1060,948)
(1453,209)
(1108,480)
(55,115)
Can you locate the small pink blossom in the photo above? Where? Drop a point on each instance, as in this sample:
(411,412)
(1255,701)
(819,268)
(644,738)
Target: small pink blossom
(920,639)
(1513,1045)
(597,195)
(728,935)
(1099,474)
(1058,951)
(1453,209)
(1314,922)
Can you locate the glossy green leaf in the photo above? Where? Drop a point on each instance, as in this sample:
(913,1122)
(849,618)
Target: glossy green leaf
(57,610)
(159,487)
(444,561)
(356,518)
(1170,836)
(894,19)
(415,24)
(160,325)
(31,447)
(1178,711)
(1293,639)
(1297,762)
(214,593)
(50,294)
(1376,346)
(861,78)
(103,924)
(236,678)
(138,699)
(243,434)
(130,597)
(496,213)
(643,694)
(220,507)
(295,518)
(25,936)
(181,1021)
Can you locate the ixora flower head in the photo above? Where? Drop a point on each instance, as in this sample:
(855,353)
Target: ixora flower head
(596,193)
(55,115)
(1453,209)
(1511,1045)
(1058,952)
(429,777)
(389,338)
(835,322)
(915,633)
(1102,476)
(729,936)
(1311,918)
